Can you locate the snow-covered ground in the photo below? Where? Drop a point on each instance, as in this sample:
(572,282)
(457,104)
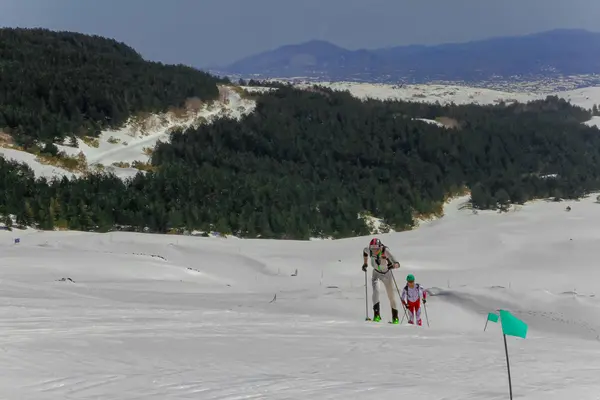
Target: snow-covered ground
(445,94)
(431,121)
(585,97)
(40,170)
(595,121)
(257,89)
(172,317)
(426,93)
(134,141)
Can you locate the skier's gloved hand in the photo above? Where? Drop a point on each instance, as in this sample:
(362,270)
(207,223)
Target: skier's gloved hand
(424,301)
(364,267)
(396,265)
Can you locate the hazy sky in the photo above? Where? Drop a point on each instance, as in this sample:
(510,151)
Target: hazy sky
(209,32)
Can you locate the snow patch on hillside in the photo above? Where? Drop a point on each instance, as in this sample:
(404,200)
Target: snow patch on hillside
(39,169)
(595,121)
(138,137)
(258,89)
(431,121)
(585,97)
(455,205)
(118,150)
(447,94)
(444,94)
(374,224)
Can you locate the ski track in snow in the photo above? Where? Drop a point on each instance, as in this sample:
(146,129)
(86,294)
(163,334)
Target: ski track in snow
(172,317)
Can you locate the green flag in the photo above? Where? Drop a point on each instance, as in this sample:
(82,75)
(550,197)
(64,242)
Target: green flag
(512,325)
(493,317)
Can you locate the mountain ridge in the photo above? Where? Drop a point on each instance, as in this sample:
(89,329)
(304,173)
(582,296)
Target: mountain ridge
(558,52)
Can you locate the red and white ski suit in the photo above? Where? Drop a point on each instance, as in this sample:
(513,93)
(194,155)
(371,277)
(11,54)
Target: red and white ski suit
(411,298)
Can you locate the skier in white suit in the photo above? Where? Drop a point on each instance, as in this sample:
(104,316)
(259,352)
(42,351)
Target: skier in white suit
(382,262)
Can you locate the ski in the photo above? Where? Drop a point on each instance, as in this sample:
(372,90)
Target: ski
(389,322)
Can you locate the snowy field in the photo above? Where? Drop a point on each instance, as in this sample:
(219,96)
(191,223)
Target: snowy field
(445,94)
(171,317)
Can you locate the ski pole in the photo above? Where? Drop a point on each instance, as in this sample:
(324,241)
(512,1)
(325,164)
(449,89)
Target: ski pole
(403,315)
(400,296)
(426,317)
(366,300)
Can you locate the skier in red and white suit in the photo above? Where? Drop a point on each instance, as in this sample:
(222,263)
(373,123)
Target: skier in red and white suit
(411,299)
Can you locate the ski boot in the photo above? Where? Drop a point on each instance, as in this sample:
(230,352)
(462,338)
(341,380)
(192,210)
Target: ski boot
(376,316)
(395,319)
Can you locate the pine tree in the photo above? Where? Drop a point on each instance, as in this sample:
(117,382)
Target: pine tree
(503,199)
(8,222)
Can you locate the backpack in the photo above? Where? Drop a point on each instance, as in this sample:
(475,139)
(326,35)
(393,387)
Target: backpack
(378,258)
(417,286)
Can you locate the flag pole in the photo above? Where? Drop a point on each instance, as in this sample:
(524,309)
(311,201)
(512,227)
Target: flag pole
(486,322)
(508,367)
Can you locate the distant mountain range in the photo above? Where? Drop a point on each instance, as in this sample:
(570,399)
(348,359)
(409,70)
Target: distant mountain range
(563,52)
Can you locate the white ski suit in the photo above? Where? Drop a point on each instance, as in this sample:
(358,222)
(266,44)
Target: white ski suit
(411,298)
(381,263)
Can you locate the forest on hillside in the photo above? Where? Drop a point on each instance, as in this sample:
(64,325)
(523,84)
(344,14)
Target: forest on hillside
(306,163)
(55,85)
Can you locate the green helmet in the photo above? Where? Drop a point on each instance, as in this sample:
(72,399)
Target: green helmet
(410,278)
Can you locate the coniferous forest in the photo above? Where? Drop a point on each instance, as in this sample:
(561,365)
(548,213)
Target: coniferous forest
(306,162)
(59,84)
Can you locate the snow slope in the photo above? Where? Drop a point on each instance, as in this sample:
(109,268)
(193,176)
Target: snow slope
(39,169)
(585,97)
(431,121)
(427,93)
(445,94)
(136,139)
(174,317)
(595,121)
